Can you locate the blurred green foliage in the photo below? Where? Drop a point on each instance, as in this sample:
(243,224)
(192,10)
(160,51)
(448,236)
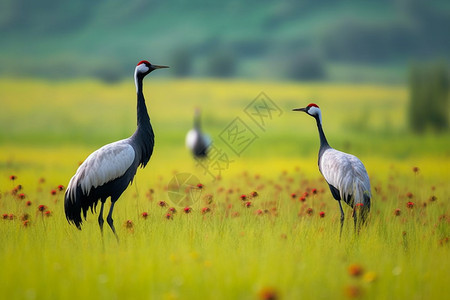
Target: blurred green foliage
(368,120)
(363,40)
(429,97)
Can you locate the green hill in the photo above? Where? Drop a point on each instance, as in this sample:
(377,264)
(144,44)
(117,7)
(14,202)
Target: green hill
(306,40)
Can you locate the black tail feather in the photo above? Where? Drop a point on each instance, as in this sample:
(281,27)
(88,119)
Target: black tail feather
(365,209)
(72,207)
(77,203)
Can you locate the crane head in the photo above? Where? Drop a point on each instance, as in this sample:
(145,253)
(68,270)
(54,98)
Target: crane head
(312,109)
(144,67)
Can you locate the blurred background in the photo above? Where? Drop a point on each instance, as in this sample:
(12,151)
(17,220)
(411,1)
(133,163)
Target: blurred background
(378,69)
(325,40)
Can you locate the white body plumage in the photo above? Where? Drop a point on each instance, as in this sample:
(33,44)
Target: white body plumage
(197,141)
(102,166)
(347,174)
(191,138)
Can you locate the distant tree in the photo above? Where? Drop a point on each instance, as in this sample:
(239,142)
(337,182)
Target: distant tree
(429,97)
(182,62)
(221,64)
(356,40)
(306,66)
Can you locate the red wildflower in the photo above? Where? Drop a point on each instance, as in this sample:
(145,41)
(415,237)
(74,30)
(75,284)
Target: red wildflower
(21,196)
(293,195)
(28,203)
(162,203)
(205,210)
(305,194)
(302,199)
(353,291)
(409,195)
(48,213)
(259,212)
(314,191)
(172,210)
(26,223)
(208,198)
(60,187)
(53,192)
(144,215)
(25,217)
(128,224)
(397,212)
(187,209)
(14,191)
(169,216)
(310,211)
(444,241)
(268,293)
(254,194)
(322,214)
(200,186)
(11,216)
(443,218)
(13,177)
(5,216)
(355,270)
(243,197)
(410,204)
(248,204)
(42,208)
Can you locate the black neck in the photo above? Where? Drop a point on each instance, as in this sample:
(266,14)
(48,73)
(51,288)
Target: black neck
(144,136)
(143,119)
(197,122)
(323,140)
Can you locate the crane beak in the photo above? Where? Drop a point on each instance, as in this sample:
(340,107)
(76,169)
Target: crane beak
(300,109)
(159,67)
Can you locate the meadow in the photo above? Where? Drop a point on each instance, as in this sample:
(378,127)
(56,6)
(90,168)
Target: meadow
(262,226)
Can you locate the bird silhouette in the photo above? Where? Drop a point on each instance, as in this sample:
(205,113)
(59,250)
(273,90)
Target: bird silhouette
(108,171)
(197,141)
(345,174)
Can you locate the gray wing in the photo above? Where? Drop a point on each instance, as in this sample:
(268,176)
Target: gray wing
(346,173)
(103,165)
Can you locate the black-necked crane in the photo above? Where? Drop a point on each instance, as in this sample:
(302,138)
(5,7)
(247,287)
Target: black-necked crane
(108,171)
(345,173)
(196,140)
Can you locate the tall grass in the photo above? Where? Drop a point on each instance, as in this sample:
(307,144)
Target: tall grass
(273,247)
(233,251)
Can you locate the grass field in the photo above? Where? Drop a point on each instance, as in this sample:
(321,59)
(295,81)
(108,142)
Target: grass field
(273,244)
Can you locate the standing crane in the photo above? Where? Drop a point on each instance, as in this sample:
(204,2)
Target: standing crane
(345,173)
(108,171)
(196,140)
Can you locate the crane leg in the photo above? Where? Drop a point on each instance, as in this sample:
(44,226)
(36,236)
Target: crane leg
(110,221)
(342,219)
(100,218)
(355,219)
